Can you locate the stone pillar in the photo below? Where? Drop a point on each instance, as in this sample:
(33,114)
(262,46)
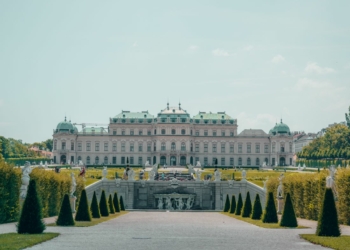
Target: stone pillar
(280,205)
(72,199)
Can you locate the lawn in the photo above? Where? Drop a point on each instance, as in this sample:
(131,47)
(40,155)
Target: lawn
(14,241)
(94,221)
(338,243)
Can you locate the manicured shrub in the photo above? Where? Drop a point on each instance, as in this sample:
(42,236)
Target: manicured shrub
(227,204)
(239,205)
(83,213)
(328,224)
(95,211)
(65,217)
(110,205)
(288,217)
(103,205)
(233,205)
(31,220)
(247,208)
(122,208)
(270,213)
(116,203)
(257,209)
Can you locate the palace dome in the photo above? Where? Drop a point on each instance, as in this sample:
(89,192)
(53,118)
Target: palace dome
(66,126)
(280,128)
(173,112)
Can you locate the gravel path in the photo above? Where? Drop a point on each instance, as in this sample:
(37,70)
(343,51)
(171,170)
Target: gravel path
(176,230)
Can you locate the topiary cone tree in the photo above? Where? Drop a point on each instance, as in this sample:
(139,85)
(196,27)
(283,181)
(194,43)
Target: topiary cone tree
(65,217)
(116,203)
(31,219)
(247,208)
(227,204)
(257,209)
(111,205)
(233,205)
(95,211)
(239,205)
(328,224)
(122,208)
(270,214)
(103,205)
(288,217)
(83,213)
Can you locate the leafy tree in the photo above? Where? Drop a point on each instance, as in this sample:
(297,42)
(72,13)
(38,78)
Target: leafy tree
(65,217)
(247,208)
(116,203)
(111,205)
(122,208)
(328,224)
(31,219)
(95,211)
(233,205)
(347,117)
(270,214)
(288,217)
(83,213)
(103,205)
(227,204)
(257,209)
(239,205)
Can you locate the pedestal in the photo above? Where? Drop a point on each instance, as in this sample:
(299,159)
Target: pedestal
(72,199)
(280,205)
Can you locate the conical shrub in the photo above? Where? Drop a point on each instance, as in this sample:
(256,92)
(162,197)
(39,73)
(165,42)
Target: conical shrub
(257,209)
(328,224)
(116,203)
(288,217)
(270,213)
(247,208)
(103,205)
(111,205)
(239,205)
(65,217)
(233,205)
(95,211)
(83,213)
(31,219)
(227,204)
(122,208)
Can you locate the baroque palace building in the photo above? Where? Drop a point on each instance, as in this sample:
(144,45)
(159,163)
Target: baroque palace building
(173,138)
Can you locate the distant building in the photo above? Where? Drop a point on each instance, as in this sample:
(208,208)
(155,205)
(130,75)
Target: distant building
(323,131)
(301,140)
(44,153)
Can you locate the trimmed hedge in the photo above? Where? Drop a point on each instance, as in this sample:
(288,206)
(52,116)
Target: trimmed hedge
(121,202)
(22,161)
(257,209)
(103,205)
(65,217)
(227,204)
(110,205)
(95,211)
(239,205)
(247,208)
(270,213)
(233,205)
(116,203)
(288,217)
(83,213)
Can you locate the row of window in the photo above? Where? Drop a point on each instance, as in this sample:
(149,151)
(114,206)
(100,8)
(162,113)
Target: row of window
(173,132)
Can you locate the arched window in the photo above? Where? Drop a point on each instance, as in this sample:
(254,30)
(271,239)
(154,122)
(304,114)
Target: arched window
(162,160)
(183,146)
(105,160)
(79,159)
(88,160)
(191,147)
(267,161)
(173,132)
(248,161)
(183,131)
(257,162)
(97,160)
(239,161)
(162,147)
(173,146)
(163,131)
(183,160)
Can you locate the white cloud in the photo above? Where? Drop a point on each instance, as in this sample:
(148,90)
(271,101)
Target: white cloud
(317,88)
(220,52)
(135,44)
(278,59)
(315,68)
(262,121)
(193,48)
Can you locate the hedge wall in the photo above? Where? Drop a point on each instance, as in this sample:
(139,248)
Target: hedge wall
(51,188)
(323,163)
(21,161)
(307,191)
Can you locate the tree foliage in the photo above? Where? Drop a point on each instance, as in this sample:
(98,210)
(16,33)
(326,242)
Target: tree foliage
(121,202)
(257,209)
(288,217)
(65,217)
(227,204)
(116,203)
(11,148)
(103,205)
(83,213)
(247,208)
(111,205)
(95,211)
(233,205)
(270,214)
(239,205)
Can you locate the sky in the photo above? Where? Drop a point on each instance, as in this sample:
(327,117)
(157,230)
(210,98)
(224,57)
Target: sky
(259,61)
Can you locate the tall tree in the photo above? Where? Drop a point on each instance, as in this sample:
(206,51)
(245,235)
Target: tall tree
(65,217)
(227,204)
(83,213)
(239,205)
(347,117)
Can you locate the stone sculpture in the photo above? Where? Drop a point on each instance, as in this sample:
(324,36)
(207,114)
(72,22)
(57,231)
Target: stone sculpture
(179,203)
(198,165)
(168,203)
(280,187)
(330,181)
(25,179)
(151,175)
(104,173)
(189,203)
(244,175)
(198,175)
(190,169)
(41,163)
(160,203)
(131,175)
(217,175)
(117,182)
(74,184)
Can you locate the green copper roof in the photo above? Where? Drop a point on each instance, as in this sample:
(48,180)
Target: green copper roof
(134,115)
(280,128)
(212,116)
(93,129)
(65,126)
(173,112)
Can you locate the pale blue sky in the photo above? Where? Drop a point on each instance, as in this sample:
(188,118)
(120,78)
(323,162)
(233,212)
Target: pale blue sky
(256,60)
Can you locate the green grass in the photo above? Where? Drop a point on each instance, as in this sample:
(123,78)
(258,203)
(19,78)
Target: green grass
(258,223)
(14,241)
(93,222)
(338,243)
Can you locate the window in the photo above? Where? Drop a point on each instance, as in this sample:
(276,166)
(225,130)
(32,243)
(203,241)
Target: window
(205,161)
(71,145)
(257,162)
(173,132)
(223,161)
(123,132)
(232,161)
(173,146)
(205,148)
(273,162)
(266,148)
(214,148)
(257,148)
(63,145)
(273,148)
(149,132)
(131,160)
(191,147)
(149,160)
(140,147)
(240,146)
(131,147)
(183,131)
(163,131)
(114,132)
(97,160)
(232,133)
(155,131)
(162,146)
(140,132)
(249,148)
(248,161)
(290,161)
(290,149)
(88,160)
(114,147)
(55,145)
(223,148)
(215,161)
(114,160)
(197,148)
(222,133)
(231,148)
(88,146)
(97,146)
(79,146)
(105,146)
(79,159)
(239,161)
(183,146)
(123,160)
(140,160)
(105,160)
(197,159)
(154,147)
(131,132)
(205,132)
(123,146)
(214,133)
(197,132)
(282,149)
(149,148)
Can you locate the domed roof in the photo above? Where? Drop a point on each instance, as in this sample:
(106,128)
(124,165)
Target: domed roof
(66,126)
(280,128)
(173,112)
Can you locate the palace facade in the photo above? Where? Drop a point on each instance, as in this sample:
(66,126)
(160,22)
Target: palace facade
(173,138)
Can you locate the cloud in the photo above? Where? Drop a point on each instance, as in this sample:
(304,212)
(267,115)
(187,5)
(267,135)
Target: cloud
(278,59)
(262,121)
(220,52)
(193,48)
(317,88)
(315,68)
(135,44)
(347,66)
(248,48)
